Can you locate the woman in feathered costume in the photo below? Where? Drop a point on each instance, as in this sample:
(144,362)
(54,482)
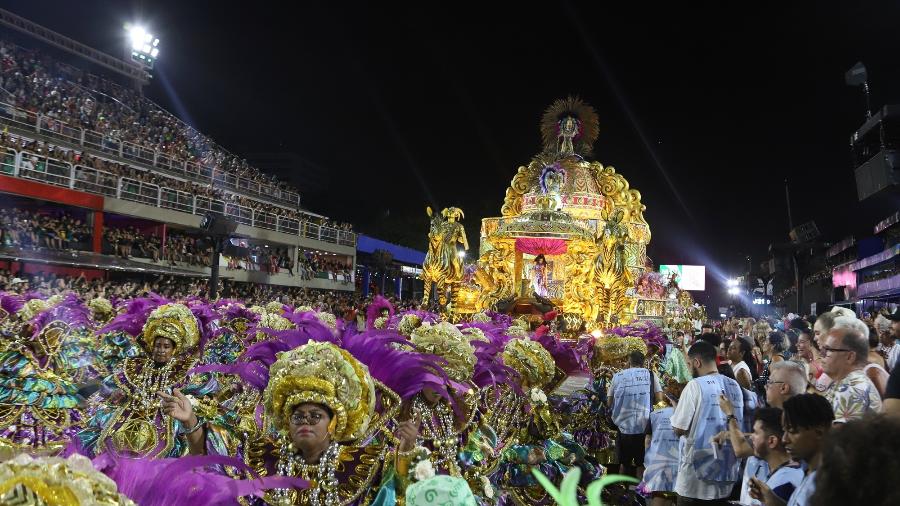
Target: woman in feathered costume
(326,411)
(133,413)
(38,400)
(535,437)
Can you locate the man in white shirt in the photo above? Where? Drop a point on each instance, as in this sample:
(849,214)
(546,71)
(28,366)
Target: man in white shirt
(706,472)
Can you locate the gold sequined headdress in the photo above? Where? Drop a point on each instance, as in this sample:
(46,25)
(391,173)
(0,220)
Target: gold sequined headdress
(56,481)
(613,348)
(32,308)
(172,321)
(102,309)
(534,364)
(446,341)
(321,373)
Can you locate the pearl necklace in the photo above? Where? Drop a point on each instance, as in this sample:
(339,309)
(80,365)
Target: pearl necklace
(322,475)
(437,426)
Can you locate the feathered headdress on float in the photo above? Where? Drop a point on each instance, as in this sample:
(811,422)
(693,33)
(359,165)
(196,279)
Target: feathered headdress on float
(321,373)
(588,124)
(373,312)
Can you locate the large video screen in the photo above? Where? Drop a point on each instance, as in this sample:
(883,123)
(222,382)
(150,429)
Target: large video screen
(688,277)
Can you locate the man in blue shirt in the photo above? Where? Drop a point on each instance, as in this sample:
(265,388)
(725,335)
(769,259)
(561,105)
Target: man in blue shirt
(630,399)
(783,474)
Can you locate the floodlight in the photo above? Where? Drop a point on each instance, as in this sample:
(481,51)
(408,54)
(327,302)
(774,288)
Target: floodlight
(144,45)
(733,291)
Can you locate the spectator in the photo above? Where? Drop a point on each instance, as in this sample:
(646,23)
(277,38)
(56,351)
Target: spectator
(846,352)
(807,421)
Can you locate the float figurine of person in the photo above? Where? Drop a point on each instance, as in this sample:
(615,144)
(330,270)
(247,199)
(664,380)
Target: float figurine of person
(539,276)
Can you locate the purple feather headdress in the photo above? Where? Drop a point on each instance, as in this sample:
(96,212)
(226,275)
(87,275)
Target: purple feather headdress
(489,367)
(650,333)
(11,302)
(206,320)
(405,372)
(69,311)
(186,480)
(135,316)
(424,317)
(501,320)
(373,312)
(235,311)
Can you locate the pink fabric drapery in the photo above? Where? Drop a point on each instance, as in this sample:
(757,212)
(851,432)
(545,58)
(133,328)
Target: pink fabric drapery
(535,246)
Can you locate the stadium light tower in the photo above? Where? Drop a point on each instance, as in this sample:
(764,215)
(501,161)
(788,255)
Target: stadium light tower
(143,47)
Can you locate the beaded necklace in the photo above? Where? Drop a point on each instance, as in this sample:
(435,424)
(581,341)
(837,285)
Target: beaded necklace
(150,382)
(321,476)
(504,418)
(437,426)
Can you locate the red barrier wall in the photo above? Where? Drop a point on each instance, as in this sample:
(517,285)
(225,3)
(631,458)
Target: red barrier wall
(52,193)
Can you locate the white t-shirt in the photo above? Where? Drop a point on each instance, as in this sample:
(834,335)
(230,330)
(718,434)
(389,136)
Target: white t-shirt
(741,366)
(687,483)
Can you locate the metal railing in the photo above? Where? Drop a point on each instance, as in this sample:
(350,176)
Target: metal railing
(112,145)
(95,181)
(80,177)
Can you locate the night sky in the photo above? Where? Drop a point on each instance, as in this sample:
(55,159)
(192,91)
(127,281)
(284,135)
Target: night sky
(705,109)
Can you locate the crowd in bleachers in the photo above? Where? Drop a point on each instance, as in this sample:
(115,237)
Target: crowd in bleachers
(33,230)
(48,284)
(68,97)
(311,263)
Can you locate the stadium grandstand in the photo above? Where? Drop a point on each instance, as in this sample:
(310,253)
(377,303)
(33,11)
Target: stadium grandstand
(95,178)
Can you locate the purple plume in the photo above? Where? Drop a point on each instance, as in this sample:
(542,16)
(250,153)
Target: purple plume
(489,366)
(69,311)
(11,302)
(566,355)
(373,312)
(255,374)
(206,319)
(185,480)
(135,316)
(404,372)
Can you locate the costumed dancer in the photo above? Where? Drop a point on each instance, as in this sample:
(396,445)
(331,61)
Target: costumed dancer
(132,412)
(39,403)
(321,402)
(537,440)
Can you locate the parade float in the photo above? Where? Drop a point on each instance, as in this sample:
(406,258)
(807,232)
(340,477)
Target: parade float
(571,236)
